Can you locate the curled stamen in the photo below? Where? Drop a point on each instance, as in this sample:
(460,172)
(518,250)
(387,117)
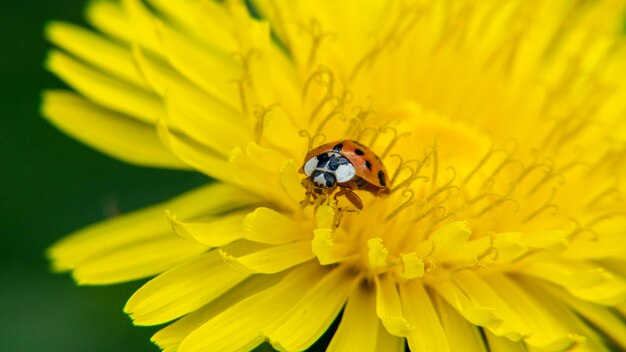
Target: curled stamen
(329,117)
(431,154)
(547,177)
(336,110)
(393,141)
(476,266)
(245,80)
(447,186)
(610,192)
(317,36)
(606,216)
(394,36)
(490,153)
(354,128)
(323,76)
(311,139)
(547,168)
(408,182)
(261,113)
(547,206)
(412,177)
(445,214)
(394,176)
(327,100)
(490,250)
(579,230)
(407,193)
(428,212)
(374,135)
(500,201)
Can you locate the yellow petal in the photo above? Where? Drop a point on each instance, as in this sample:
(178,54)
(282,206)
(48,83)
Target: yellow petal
(567,274)
(412,266)
(603,318)
(95,49)
(359,324)
(289,181)
(471,310)
(545,330)
(428,334)
(239,328)
(183,13)
(215,26)
(327,250)
(273,259)
(289,333)
(112,133)
(325,216)
(389,308)
(141,24)
(281,131)
(257,169)
(216,233)
(546,244)
(265,225)
(450,237)
(497,343)
(158,75)
(376,254)
(136,260)
(109,18)
(182,290)
(194,154)
(476,288)
(603,285)
(462,335)
(142,227)
(387,342)
(215,72)
(191,111)
(170,337)
(102,89)
(508,245)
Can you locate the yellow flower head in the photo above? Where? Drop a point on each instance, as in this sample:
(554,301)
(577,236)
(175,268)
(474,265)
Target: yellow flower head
(500,123)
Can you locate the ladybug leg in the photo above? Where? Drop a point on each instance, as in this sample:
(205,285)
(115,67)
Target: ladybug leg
(309,196)
(353,198)
(314,195)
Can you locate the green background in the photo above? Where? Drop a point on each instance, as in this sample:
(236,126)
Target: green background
(51,186)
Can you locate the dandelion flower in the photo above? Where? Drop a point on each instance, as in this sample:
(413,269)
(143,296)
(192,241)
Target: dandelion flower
(500,124)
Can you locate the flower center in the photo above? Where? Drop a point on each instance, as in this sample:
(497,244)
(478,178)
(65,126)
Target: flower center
(459,200)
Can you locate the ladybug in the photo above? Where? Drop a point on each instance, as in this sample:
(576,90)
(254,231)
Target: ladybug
(347,165)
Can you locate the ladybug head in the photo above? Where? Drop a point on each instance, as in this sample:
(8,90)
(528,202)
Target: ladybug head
(323,179)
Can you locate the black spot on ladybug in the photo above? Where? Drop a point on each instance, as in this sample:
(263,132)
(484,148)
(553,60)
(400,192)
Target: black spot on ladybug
(335,161)
(368,165)
(338,148)
(359,152)
(381,178)
(322,160)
